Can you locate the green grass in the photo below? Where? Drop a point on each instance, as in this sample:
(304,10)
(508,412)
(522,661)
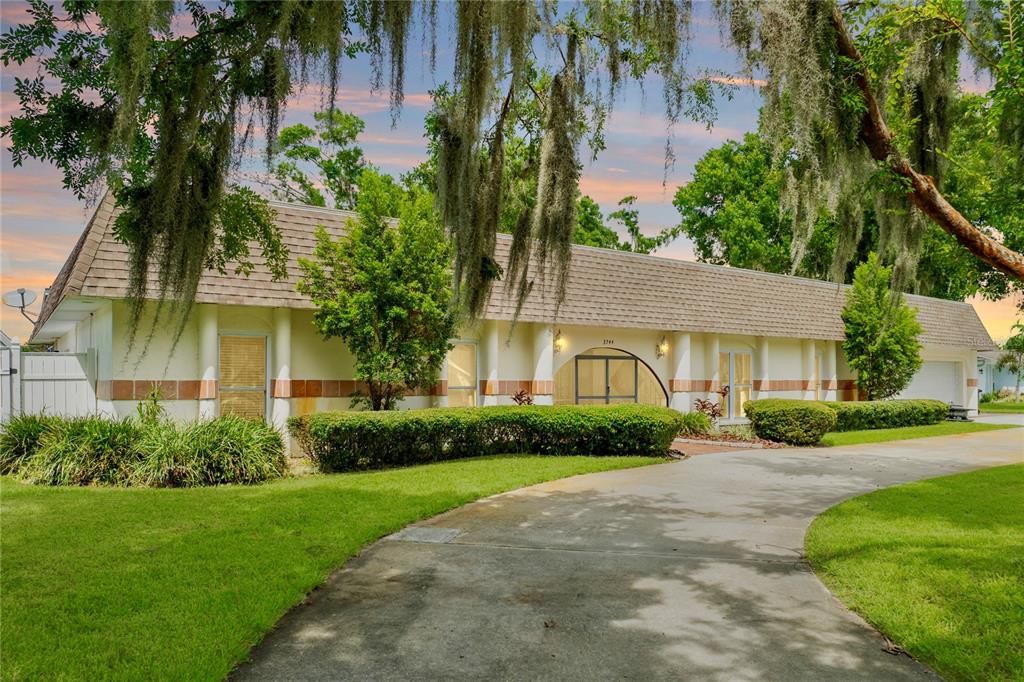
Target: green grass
(1014,407)
(180,584)
(937,566)
(908,432)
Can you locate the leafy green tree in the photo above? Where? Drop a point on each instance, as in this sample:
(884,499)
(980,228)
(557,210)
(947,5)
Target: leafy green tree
(730,210)
(590,227)
(882,332)
(386,291)
(326,157)
(1012,358)
(629,217)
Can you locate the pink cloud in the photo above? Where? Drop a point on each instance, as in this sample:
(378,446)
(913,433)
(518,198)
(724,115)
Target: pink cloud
(36,248)
(393,139)
(608,190)
(14,13)
(359,102)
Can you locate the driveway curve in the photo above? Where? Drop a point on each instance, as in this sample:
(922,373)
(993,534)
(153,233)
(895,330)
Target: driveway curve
(685,570)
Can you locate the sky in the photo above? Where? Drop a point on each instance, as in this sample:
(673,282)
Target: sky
(40,221)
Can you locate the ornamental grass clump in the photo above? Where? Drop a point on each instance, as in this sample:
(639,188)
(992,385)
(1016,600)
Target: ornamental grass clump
(145,451)
(86,451)
(20,439)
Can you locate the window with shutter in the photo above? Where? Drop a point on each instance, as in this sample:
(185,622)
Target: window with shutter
(243,376)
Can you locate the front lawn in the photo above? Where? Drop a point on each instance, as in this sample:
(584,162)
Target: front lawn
(181,583)
(908,432)
(937,567)
(1002,408)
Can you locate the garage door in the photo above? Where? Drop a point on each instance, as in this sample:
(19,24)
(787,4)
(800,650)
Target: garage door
(939,380)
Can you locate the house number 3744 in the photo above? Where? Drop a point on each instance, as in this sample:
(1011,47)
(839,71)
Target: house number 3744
(608,342)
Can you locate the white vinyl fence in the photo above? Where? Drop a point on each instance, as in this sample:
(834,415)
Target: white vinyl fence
(55,383)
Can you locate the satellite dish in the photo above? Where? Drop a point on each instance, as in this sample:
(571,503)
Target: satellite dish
(20,298)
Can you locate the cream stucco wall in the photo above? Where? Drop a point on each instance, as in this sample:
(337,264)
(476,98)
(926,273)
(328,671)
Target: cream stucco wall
(506,352)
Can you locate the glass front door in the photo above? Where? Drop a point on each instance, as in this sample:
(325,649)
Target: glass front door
(736,370)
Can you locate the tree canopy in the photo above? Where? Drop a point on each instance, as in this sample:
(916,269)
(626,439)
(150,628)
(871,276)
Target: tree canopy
(857,93)
(730,210)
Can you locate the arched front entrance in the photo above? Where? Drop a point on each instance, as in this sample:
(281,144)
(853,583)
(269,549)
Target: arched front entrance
(607,376)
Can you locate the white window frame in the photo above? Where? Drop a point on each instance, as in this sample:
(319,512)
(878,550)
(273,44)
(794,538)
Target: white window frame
(731,416)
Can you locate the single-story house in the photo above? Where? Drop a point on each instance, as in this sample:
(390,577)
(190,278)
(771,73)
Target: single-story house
(632,328)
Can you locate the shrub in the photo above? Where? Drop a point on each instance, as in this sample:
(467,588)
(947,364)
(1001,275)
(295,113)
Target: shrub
(20,439)
(151,452)
(695,423)
(796,422)
(989,397)
(228,449)
(341,441)
(887,414)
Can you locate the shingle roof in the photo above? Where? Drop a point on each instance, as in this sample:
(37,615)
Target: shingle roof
(605,288)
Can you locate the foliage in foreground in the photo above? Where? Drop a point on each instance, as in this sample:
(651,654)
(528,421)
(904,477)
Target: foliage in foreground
(795,422)
(116,583)
(936,567)
(341,441)
(141,452)
(881,332)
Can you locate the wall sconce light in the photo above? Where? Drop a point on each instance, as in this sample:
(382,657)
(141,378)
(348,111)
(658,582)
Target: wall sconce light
(559,341)
(661,348)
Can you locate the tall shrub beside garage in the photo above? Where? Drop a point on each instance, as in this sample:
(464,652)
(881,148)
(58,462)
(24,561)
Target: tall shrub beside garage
(882,332)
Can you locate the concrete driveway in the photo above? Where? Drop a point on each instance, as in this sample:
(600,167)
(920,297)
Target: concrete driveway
(686,570)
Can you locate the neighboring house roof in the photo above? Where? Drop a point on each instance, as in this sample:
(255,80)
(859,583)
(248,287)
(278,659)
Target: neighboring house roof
(605,288)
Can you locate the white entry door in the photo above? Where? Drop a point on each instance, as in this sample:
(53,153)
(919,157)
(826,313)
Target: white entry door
(939,380)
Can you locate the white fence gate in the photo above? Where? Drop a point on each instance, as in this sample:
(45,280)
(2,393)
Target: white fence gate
(55,383)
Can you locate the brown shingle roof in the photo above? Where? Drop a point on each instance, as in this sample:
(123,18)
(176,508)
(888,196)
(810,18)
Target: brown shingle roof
(605,288)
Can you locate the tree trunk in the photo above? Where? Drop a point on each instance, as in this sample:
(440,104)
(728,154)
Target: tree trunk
(924,193)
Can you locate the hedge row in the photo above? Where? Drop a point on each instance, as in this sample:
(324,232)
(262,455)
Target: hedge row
(803,422)
(343,441)
(887,414)
(132,452)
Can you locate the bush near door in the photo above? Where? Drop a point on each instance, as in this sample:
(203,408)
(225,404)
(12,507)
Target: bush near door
(886,414)
(342,441)
(796,422)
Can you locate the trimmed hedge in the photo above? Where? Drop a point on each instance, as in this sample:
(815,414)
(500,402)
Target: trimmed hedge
(343,441)
(796,422)
(133,452)
(887,414)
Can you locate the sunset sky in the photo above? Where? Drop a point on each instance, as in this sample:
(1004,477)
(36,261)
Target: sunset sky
(39,221)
